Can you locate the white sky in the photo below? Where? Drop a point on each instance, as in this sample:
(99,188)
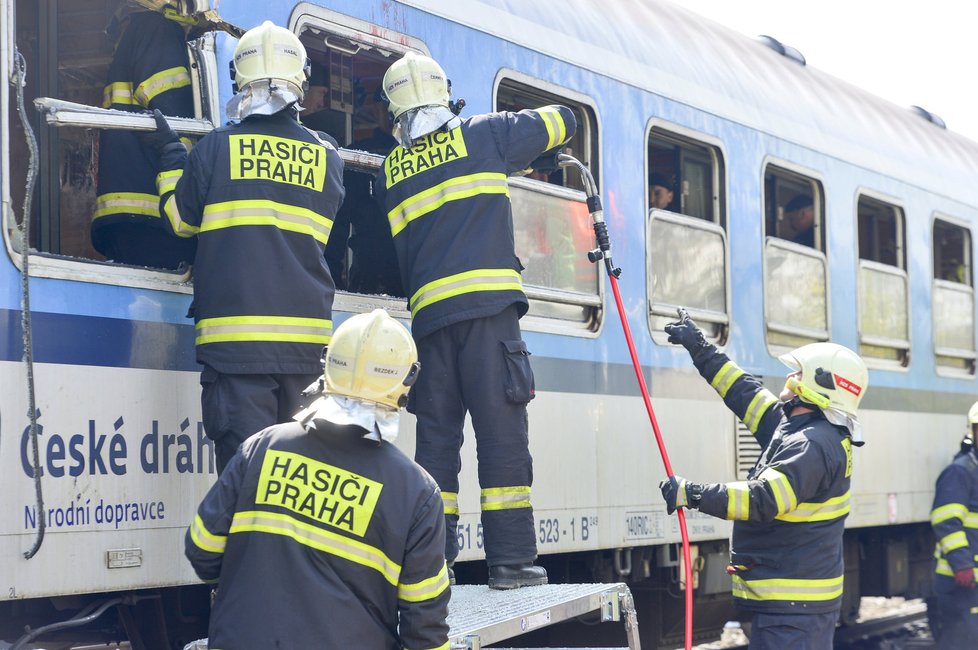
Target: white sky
(907,51)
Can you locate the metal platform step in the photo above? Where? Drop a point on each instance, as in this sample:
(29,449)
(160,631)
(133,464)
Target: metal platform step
(479,616)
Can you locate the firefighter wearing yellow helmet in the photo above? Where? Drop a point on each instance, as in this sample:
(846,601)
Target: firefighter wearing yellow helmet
(462,278)
(786,551)
(311,512)
(954,618)
(259,196)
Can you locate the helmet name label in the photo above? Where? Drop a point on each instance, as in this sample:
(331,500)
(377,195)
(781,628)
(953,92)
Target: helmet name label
(845,384)
(325,493)
(429,151)
(282,160)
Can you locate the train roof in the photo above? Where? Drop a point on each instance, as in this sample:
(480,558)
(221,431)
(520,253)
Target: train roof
(668,50)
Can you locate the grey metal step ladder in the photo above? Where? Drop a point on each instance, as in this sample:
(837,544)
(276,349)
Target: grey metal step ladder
(479,616)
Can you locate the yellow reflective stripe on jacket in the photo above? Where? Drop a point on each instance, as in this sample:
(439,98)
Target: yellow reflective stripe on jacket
(180,227)
(467,282)
(784,494)
(446,646)
(556,130)
(957,539)
(832,509)
(971,521)
(230,214)
(322,540)
(119,92)
(147,205)
(204,539)
(725,377)
(944,568)
(758,406)
(290,329)
(450,501)
(426,589)
(161,82)
(738,501)
(167,181)
(948,511)
(505,498)
(460,187)
(787,589)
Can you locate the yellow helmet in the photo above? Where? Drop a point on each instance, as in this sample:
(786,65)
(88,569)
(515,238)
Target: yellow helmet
(372,357)
(832,376)
(270,52)
(414,81)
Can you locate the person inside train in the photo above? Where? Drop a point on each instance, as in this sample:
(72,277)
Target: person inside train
(786,554)
(149,70)
(259,195)
(954,609)
(460,269)
(660,191)
(799,212)
(361,566)
(361,224)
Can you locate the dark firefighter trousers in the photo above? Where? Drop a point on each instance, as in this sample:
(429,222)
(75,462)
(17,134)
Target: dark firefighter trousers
(480,366)
(956,621)
(792,631)
(234,407)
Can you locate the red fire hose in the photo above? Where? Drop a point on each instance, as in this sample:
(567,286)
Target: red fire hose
(603,252)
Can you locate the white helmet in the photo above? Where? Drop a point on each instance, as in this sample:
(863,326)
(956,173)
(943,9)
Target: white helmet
(273,53)
(372,357)
(414,81)
(973,414)
(832,376)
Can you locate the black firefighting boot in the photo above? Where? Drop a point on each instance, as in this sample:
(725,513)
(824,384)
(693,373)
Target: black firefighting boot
(514,576)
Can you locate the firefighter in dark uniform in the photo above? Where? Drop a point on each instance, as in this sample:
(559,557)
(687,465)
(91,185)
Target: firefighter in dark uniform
(320,533)
(954,519)
(260,197)
(148,71)
(786,550)
(447,201)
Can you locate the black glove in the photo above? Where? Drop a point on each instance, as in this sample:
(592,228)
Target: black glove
(687,334)
(680,493)
(163,135)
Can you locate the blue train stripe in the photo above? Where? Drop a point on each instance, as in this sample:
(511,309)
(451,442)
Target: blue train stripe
(97,341)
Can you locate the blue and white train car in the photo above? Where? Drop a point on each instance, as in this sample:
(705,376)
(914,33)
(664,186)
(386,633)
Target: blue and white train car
(737,127)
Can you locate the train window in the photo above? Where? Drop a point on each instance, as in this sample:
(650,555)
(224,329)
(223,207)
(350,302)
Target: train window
(884,322)
(793,208)
(68,49)
(684,177)
(954,299)
(795,276)
(687,245)
(552,227)
(344,100)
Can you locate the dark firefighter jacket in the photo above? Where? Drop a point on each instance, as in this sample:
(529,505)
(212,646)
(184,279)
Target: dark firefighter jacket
(954,519)
(260,197)
(789,514)
(148,71)
(322,539)
(447,202)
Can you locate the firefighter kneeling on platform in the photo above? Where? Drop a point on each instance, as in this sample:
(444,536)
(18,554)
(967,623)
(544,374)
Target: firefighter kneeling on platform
(320,533)
(954,617)
(789,515)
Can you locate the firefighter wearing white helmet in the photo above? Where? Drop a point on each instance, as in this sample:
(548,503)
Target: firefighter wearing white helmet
(463,281)
(786,551)
(259,196)
(954,617)
(312,511)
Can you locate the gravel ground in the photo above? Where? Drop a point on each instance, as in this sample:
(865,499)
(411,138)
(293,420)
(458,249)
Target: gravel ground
(869,608)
